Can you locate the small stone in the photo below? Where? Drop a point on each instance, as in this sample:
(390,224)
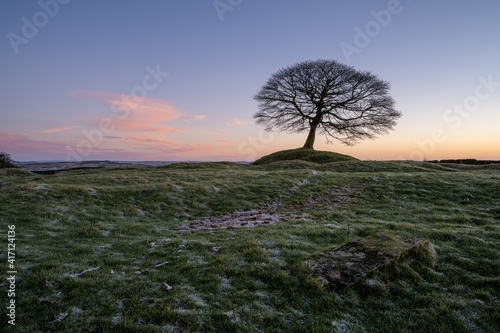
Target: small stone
(161,264)
(46,301)
(48,283)
(59,317)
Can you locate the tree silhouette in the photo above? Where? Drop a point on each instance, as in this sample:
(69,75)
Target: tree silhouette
(6,161)
(326,96)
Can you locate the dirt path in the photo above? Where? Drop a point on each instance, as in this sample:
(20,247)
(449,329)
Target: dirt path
(276,211)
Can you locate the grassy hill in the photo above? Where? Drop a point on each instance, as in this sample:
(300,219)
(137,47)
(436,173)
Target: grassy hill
(15,174)
(303,154)
(251,276)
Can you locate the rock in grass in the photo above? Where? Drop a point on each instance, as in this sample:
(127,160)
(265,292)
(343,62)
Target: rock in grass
(347,264)
(59,317)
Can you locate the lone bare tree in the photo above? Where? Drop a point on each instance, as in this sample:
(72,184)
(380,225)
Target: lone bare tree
(329,97)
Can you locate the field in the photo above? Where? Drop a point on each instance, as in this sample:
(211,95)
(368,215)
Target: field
(90,244)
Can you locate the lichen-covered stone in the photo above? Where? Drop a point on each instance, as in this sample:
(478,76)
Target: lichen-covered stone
(352,261)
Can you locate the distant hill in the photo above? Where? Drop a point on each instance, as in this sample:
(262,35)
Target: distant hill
(54,166)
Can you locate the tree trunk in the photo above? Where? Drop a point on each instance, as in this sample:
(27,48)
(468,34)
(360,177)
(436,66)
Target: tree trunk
(310,138)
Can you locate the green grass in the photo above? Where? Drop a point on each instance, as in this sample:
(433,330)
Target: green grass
(123,221)
(303,154)
(15,174)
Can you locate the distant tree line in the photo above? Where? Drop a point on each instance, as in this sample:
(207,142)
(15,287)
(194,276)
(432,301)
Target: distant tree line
(472,161)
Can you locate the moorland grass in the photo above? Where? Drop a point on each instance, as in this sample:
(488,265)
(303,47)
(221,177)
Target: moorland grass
(123,221)
(8,175)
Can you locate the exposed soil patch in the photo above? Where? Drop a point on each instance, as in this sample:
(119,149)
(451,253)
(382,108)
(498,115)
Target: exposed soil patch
(276,211)
(248,219)
(350,262)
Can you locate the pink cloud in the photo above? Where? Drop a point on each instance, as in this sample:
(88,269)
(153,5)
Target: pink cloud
(190,152)
(196,148)
(225,141)
(215,133)
(135,147)
(25,146)
(134,114)
(238,122)
(195,118)
(60,129)
(150,143)
(149,139)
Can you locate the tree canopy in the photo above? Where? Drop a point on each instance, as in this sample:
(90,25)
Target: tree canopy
(6,161)
(329,97)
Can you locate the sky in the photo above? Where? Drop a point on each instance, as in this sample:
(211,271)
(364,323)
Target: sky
(174,80)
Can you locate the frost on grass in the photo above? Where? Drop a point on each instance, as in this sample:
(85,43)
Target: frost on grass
(275,256)
(200,260)
(40,187)
(99,249)
(225,284)
(117,319)
(105,232)
(234,317)
(76,311)
(198,300)
(347,324)
(91,190)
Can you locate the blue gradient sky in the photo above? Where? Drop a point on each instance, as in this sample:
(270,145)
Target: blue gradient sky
(62,92)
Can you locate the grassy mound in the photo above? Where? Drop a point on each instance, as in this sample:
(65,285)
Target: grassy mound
(11,172)
(304,154)
(14,174)
(289,165)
